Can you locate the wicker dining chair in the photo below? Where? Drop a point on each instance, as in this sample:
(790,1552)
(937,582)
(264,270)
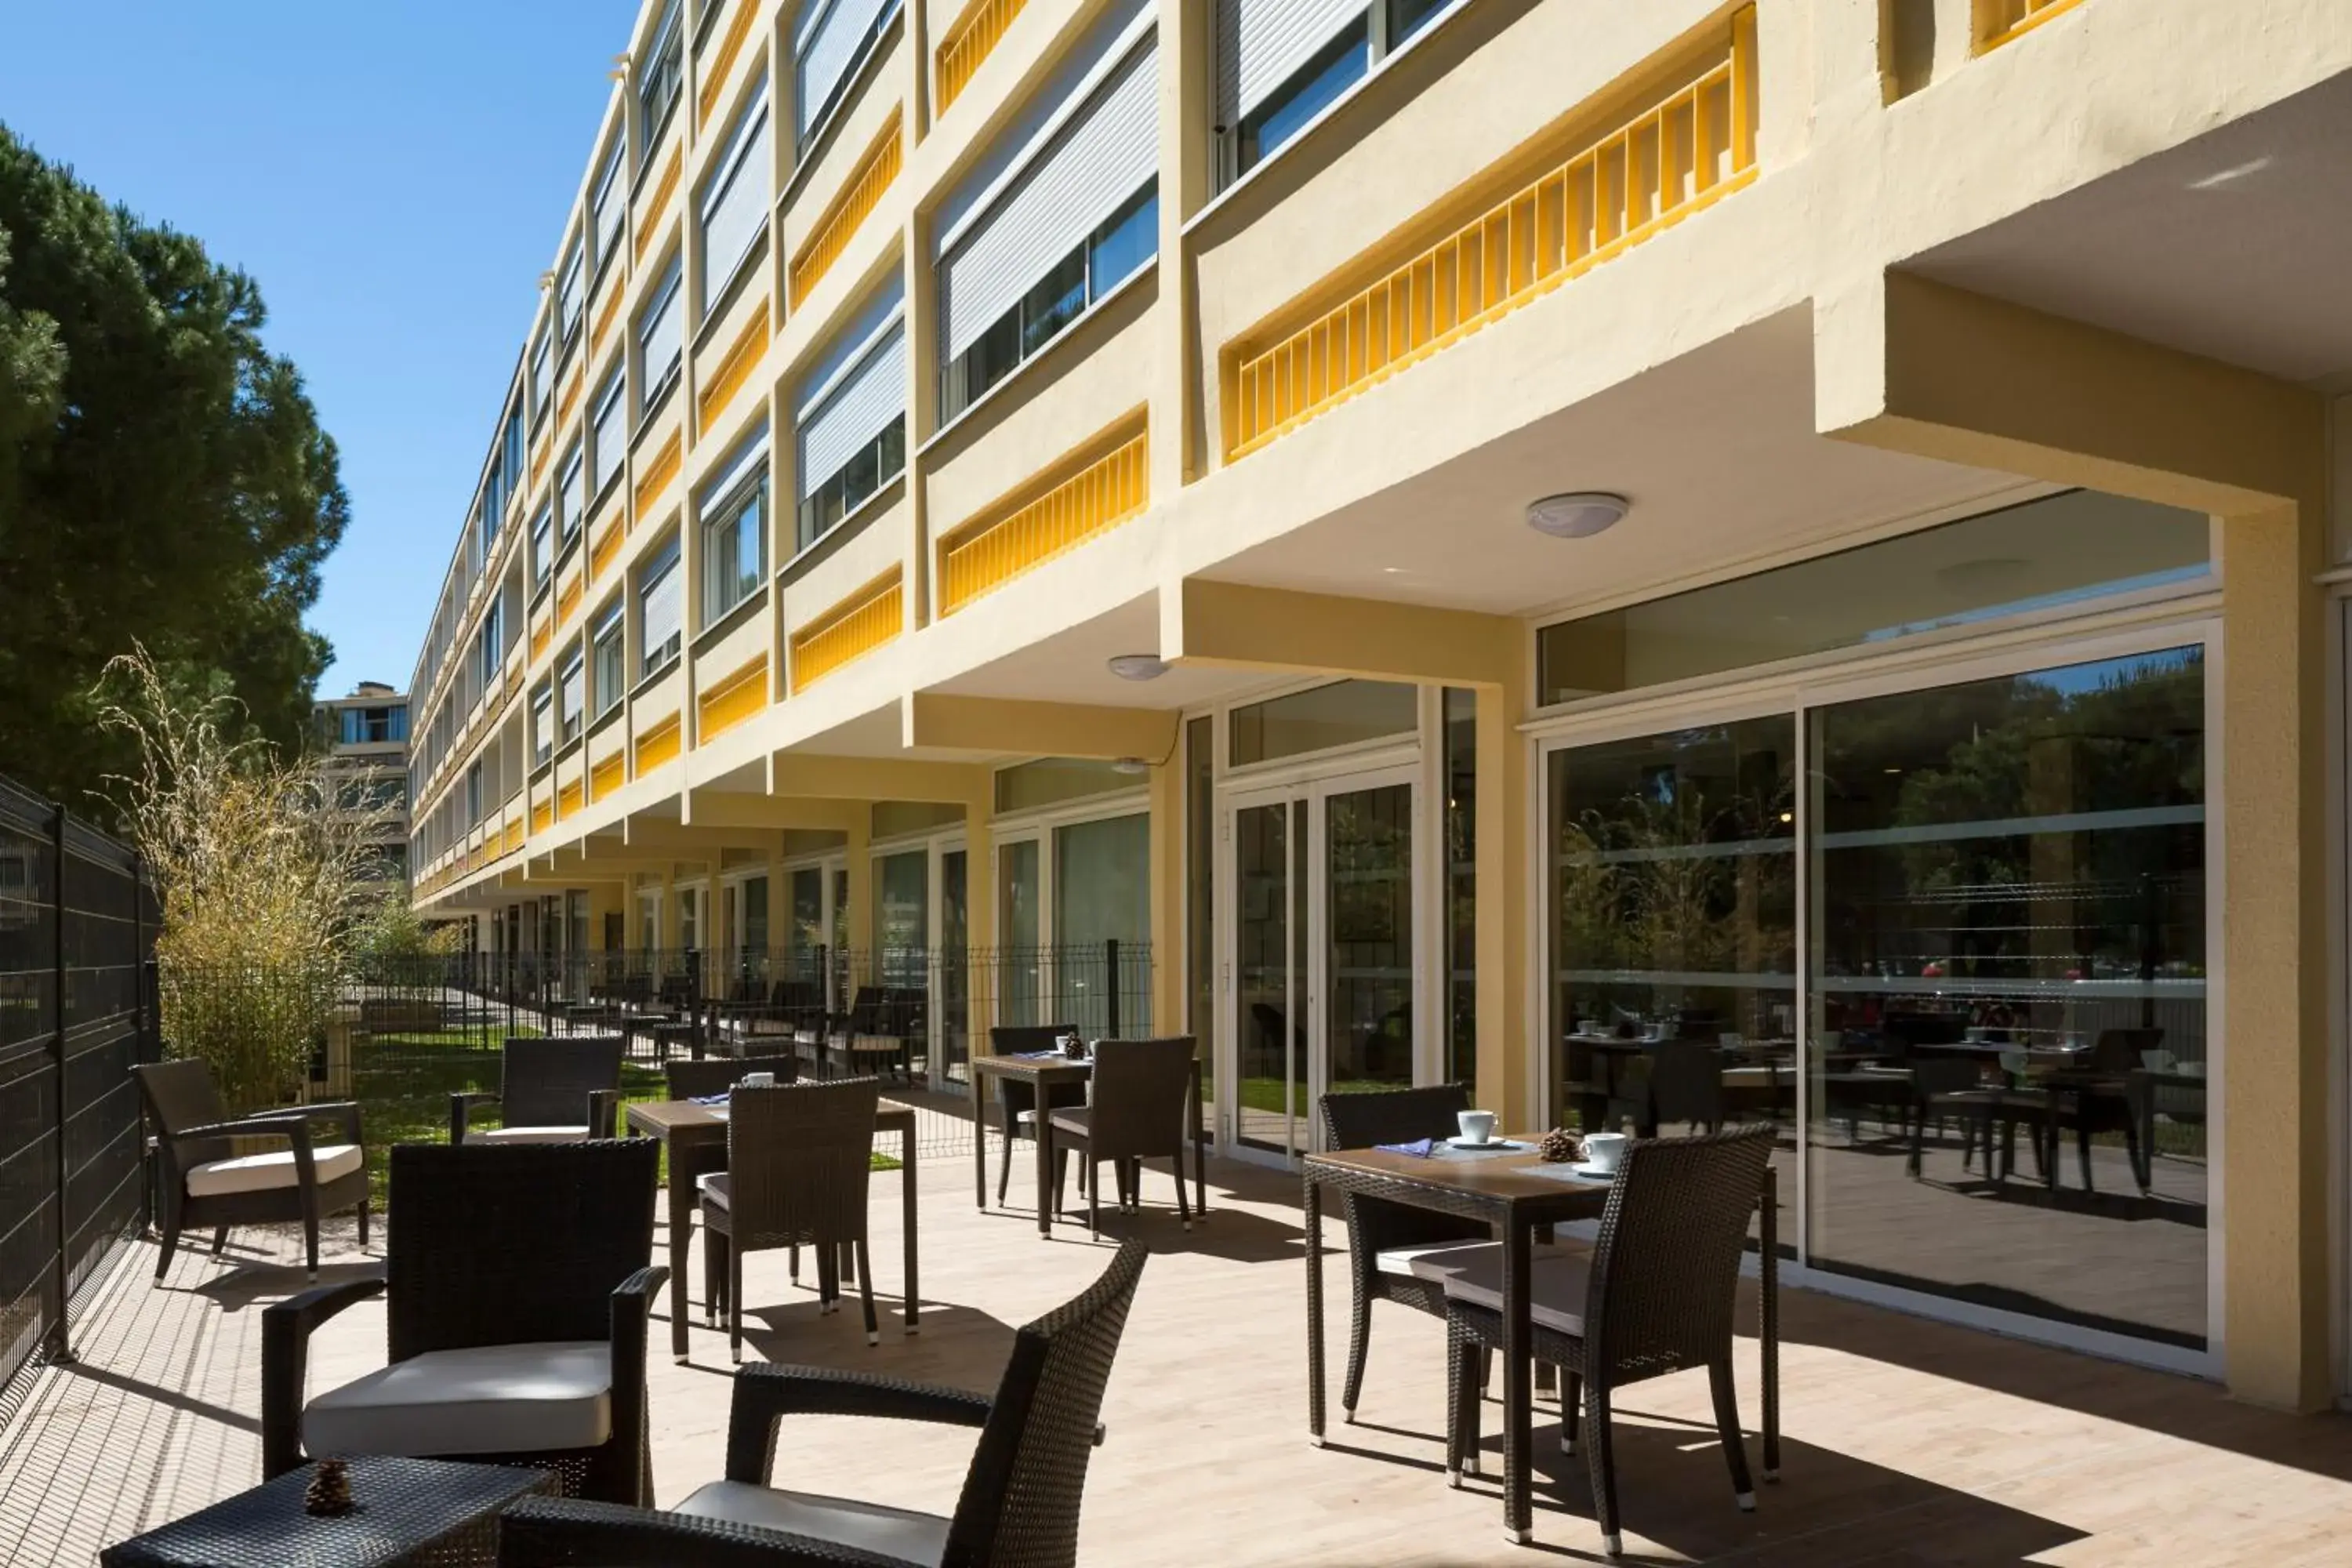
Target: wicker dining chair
(1016,1104)
(1020,1500)
(1655,1295)
(1134,1112)
(798,1158)
(202,1181)
(1383,1236)
(553,1089)
(516,1299)
(699,1080)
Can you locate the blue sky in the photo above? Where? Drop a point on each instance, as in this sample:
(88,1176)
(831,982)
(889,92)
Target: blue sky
(395,177)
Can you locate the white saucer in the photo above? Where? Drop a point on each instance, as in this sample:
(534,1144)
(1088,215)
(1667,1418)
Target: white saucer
(1591,1172)
(1475,1144)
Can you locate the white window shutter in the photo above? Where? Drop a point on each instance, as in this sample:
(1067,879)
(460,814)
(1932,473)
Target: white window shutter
(1261,43)
(736,200)
(826,47)
(1097,159)
(857,407)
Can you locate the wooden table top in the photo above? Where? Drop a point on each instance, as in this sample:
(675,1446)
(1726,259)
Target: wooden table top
(1026,1066)
(1504,1177)
(663,1117)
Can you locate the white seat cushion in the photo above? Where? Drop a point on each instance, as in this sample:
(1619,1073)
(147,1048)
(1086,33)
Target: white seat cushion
(487,1399)
(1433,1263)
(713,1185)
(262,1172)
(1556,1285)
(527,1134)
(891,1532)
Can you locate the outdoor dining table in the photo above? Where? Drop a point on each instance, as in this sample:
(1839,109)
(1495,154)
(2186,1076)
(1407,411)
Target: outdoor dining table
(1040,1070)
(1516,1194)
(696,1138)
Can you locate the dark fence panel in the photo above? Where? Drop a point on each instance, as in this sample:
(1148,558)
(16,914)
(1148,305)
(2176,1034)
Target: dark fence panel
(76,927)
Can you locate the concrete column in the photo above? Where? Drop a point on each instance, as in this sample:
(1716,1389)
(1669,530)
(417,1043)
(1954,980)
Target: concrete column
(1508,944)
(980,902)
(859,922)
(1167,854)
(2273,1011)
(1179,448)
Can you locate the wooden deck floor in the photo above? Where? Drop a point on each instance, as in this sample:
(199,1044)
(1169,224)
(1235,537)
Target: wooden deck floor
(1908,1442)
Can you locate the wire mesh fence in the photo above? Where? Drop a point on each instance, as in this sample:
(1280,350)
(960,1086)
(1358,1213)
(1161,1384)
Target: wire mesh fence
(77,923)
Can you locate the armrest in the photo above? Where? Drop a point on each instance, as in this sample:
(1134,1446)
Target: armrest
(276,1125)
(343,1113)
(286,1328)
(765,1393)
(547,1531)
(460,1103)
(603,1112)
(632,1312)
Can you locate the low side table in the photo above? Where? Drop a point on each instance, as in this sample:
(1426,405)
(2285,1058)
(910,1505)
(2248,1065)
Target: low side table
(410,1512)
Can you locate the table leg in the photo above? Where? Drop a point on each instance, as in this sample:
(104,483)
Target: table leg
(1769,1329)
(1518,1388)
(1044,1142)
(681,1253)
(979,1141)
(907,1196)
(1312,1215)
(1200,1151)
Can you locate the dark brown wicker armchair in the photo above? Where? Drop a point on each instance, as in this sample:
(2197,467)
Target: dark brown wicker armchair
(1020,1499)
(1016,1104)
(1135,1113)
(798,1160)
(551,1091)
(202,1182)
(1655,1295)
(517,1295)
(1382,1236)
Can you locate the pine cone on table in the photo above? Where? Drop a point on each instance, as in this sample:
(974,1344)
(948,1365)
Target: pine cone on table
(1559,1146)
(328,1494)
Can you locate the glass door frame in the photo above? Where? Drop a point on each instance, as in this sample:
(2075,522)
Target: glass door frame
(1041,827)
(1896,670)
(1314,790)
(935,847)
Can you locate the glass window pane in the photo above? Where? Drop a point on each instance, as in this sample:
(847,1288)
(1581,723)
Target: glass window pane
(1369,1031)
(807,930)
(1049,780)
(1461,886)
(2035,556)
(1020,961)
(1340,714)
(2008,946)
(1321,79)
(1053,303)
(1102,892)
(1200,897)
(902,931)
(1125,244)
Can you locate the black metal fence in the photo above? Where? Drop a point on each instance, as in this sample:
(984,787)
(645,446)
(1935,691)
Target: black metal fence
(78,919)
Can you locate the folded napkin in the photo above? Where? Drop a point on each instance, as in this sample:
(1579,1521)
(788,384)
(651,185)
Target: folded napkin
(1419,1146)
(709,1100)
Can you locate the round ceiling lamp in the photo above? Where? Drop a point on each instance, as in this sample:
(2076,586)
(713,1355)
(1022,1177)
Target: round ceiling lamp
(1138,666)
(1130,765)
(1580,514)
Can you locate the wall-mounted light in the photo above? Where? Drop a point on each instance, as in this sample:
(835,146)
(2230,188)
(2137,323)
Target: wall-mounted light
(1130,765)
(1138,666)
(1580,514)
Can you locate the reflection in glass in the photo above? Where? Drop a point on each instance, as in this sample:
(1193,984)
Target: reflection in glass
(1342,713)
(955,964)
(1368,1020)
(1266,997)
(2009,990)
(1018,978)
(1461,886)
(808,910)
(1102,893)
(902,917)
(1200,901)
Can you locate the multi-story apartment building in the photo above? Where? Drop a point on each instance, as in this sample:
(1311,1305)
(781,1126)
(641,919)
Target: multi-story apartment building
(1481,534)
(365,738)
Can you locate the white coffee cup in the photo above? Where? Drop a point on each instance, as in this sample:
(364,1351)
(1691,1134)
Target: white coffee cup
(757,1081)
(1604,1150)
(1477,1126)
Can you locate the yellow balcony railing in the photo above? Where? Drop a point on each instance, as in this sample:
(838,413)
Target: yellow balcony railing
(972,38)
(606,549)
(567,803)
(658,474)
(542,817)
(850,630)
(571,399)
(1689,148)
(513,834)
(658,204)
(734,370)
(607,314)
(714,80)
(731,700)
(608,776)
(567,600)
(656,745)
(540,635)
(857,202)
(1081,497)
(1999,21)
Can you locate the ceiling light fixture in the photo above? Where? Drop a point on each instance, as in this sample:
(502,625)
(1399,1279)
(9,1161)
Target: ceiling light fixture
(1130,765)
(1580,514)
(1138,666)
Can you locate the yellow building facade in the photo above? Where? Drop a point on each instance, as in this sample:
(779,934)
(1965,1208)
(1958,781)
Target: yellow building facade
(1471,539)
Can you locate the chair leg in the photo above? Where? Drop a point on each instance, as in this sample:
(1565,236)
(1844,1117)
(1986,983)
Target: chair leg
(171,1243)
(734,1301)
(865,1293)
(1184,1204)
(851,1271)
(792,1261)
(1572,1395)
(714,1274)
(1727,1423)
(1004,1166)
(2082,1150)
(1601,1455)
(1094,1198)
(1360,1337)
(363,1224)
(1461,1405)
(220,1238)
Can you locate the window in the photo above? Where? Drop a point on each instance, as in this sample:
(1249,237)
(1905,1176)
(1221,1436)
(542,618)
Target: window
(474,795)
(828,50)
(1102,893)
(659,344)
(1078,218)
(659,618)
(572,697)
(735,532)
(735,203)
(1280,63)
(608,208)
(571,493)
(706,22)
(567,293)
(1050,781)
(494,649)
(853,433)
(662,79)
(612,678)
(2036,556)
(542,724)
(610,442)
(1344,713)
(542,544)
(543,376)
(513,474)
(374,726)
